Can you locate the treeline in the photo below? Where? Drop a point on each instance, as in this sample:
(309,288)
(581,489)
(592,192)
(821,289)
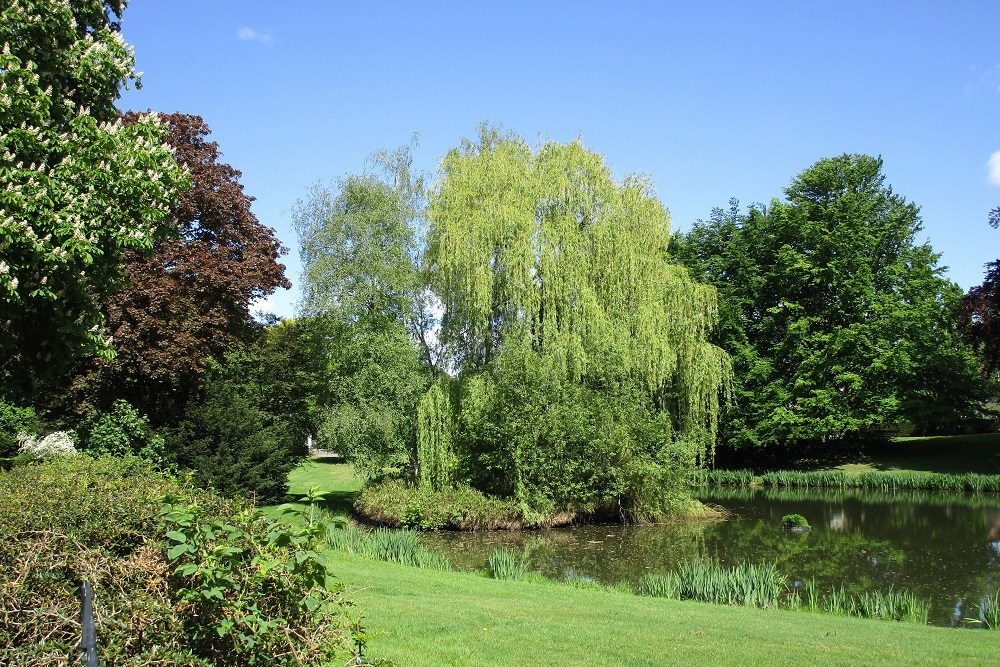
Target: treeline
(524,325)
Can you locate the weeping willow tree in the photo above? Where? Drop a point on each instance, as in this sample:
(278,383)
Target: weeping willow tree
(436,459)
(585,376)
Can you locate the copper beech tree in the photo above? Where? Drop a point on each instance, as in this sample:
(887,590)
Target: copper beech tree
(190,298)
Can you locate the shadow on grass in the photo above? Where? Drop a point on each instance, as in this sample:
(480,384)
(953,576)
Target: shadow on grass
(979,453)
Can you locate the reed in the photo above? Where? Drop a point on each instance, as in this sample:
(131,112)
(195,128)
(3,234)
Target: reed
(893,606)
(747,584)
(508,564)
(657,586)
(989,612)
(395,546)
(878,481)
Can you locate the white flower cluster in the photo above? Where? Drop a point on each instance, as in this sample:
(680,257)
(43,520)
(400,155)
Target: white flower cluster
(58,443)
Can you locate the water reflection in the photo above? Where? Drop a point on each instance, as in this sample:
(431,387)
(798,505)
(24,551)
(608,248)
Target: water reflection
(943,547)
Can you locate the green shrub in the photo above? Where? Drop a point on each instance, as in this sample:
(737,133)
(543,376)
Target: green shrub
(70,518)
(252,592)
(395,503)
(14,420)
(235,447)
(794,521)
(100,519)
(121,432)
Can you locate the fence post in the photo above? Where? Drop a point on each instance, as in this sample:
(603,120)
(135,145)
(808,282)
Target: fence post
(88,638)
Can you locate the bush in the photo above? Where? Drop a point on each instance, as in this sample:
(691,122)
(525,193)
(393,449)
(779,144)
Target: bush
(100,519)
(13,421)
(58,443)
(120,432)
(794,521)
(397,504)
(234,446)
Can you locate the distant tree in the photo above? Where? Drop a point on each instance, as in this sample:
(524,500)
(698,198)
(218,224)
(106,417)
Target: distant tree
(78,188)
(361,288)
(584,376)
(840,323)
(189,300)
(981,312)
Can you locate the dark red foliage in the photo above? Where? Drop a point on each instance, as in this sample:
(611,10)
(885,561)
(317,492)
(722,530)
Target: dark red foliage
(981,317)
(190,298)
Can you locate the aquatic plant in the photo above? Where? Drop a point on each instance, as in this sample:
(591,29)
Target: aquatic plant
(794,521)
(748,584)
(395,546)
(508,564)
(875,480)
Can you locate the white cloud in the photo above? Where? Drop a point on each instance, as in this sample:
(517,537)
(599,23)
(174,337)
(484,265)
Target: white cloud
(993,169)
(251,35)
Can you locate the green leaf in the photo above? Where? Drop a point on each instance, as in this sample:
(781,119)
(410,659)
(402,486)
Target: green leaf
(176,551)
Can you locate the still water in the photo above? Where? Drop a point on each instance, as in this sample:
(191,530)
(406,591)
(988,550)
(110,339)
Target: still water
(943,547)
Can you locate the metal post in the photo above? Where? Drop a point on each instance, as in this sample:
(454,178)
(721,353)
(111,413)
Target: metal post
(88,639)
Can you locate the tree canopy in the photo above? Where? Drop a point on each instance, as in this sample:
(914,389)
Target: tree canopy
(361,296)
(981,311)
(840,322)
(584,373)
(79,187)
(189,300)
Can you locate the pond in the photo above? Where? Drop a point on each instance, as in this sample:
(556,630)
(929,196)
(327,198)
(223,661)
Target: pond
(945,548)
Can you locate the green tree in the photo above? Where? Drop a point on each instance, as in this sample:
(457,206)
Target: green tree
(236,437)
(361,287)
(78,187)
(188,300)
(584,376)
(840,322)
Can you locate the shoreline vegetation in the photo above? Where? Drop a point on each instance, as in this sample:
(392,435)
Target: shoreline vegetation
(874,480)
(396,504)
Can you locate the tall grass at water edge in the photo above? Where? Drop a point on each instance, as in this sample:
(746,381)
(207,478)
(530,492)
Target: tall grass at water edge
(761,585)
(892,605)
(886,481)
(747,584)
(508,564)
(395,546)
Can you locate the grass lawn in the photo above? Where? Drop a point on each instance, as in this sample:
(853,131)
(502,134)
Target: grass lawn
(336,479)
(427,618)
(954,454)
(949,454)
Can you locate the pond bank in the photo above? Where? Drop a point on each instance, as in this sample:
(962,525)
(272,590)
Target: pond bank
(431,618)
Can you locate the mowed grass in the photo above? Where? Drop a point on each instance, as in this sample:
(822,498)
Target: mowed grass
(337,480)
(428,618)
(949,454)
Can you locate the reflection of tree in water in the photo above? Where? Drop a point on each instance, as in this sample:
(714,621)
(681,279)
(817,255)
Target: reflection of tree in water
(607,553)
(942,547)
(940,550)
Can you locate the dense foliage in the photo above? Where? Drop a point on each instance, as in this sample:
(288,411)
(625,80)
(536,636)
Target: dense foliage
(188,301)
(236,592)
(839,321)
(234,438)
(361,299)
(583,373)
(78,187)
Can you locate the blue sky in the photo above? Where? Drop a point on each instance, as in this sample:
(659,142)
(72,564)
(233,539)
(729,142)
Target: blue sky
(711,100)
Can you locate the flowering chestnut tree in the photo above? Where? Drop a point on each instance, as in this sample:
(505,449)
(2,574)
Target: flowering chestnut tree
(78,187)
